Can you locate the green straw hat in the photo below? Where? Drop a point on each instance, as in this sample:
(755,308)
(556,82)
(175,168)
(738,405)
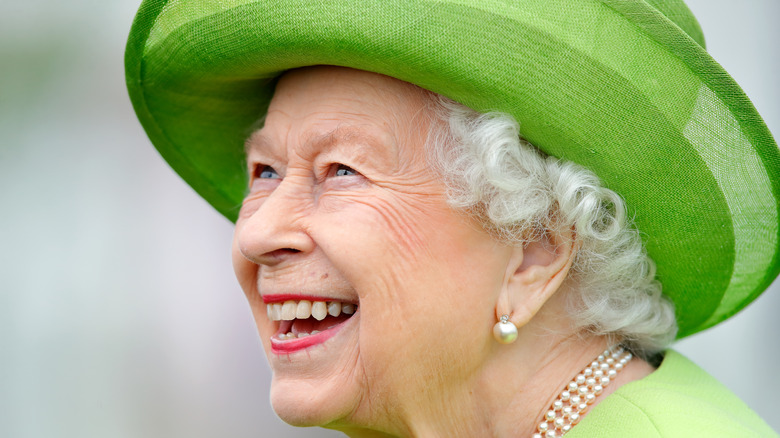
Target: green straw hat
(622,87)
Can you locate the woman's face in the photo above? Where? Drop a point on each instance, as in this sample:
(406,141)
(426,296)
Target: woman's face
(343,208)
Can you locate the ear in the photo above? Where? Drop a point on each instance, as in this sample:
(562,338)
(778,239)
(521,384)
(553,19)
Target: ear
(534,273)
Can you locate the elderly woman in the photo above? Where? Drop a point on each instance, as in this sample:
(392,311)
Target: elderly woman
(472,218)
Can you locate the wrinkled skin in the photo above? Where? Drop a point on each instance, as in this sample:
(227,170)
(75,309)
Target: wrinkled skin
(425,277)
(343,205)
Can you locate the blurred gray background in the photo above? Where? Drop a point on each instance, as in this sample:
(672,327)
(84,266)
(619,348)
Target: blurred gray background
(119,313)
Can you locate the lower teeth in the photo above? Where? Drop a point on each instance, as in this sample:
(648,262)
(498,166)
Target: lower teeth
(286,336)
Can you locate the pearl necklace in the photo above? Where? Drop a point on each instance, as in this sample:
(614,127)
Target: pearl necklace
(572,403)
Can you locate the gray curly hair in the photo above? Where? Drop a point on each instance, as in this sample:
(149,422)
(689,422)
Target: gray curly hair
(518,193)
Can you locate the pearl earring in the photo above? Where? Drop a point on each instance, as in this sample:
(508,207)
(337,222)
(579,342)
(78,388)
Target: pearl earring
(504,331)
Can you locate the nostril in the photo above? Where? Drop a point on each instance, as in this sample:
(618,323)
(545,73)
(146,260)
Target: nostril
(283,252)
(276,256)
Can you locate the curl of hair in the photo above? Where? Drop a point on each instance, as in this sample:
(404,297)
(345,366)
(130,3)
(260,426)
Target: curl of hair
(519,194)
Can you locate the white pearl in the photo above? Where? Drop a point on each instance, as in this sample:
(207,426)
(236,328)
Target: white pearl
(590,398)
(537,435)
(566,428)
(598,389)
(550,416)
(572,387)
(505,332)
(605,381)
(582,407)
(565,395)
(575,418)
(580,379)
(575,400)
(557,405)
(559,423)
(612,374)
(567,411)
(543,427)
(550,434)
(590,382)
(588,372)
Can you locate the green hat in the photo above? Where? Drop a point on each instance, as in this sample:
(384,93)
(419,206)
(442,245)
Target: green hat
(622,87)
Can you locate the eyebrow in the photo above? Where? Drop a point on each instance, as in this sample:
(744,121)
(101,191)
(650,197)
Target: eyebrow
(256,140)
(315,143)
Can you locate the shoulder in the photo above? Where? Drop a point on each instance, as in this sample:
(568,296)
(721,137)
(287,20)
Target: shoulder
(679,399)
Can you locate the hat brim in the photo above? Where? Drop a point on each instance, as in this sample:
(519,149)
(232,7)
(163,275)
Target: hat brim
(612,85)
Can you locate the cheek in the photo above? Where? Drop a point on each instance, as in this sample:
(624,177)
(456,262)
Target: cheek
(377,242)
(414,263)
(246,271)
(398,223)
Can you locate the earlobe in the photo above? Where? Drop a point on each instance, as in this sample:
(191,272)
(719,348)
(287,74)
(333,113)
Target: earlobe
(534,273)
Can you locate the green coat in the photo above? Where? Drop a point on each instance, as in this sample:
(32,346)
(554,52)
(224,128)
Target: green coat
(678,400)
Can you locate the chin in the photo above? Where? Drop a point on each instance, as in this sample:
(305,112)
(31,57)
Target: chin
(318,384)
(304,403)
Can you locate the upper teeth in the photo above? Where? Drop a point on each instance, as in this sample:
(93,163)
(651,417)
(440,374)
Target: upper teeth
(303,309)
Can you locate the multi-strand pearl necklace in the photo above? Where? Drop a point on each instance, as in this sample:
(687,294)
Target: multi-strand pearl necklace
(579,394)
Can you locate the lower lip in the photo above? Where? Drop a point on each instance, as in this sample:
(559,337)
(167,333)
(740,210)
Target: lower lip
(288,346)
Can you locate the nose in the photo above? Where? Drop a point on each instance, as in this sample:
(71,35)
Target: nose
(276,231)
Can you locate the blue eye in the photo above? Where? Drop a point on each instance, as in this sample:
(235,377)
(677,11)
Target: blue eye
(268,172)
(343,170)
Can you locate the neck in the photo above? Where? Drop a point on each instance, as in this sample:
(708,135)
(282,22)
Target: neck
(524,384)
(512,392)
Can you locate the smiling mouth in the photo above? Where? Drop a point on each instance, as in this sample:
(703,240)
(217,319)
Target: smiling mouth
(303,323)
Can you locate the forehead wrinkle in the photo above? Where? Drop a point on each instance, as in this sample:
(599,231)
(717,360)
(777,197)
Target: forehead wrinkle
(317,143)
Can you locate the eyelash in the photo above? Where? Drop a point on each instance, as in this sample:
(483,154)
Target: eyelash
(260,170)
(343,167)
